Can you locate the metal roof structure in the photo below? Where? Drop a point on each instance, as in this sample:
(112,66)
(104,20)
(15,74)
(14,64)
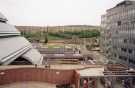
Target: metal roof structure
(3,18)
(8,30)
(13,45)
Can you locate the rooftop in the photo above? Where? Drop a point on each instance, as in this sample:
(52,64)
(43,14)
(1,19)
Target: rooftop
(126,2)
(95,72)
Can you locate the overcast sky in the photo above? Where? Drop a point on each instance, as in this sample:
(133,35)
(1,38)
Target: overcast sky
(55,12)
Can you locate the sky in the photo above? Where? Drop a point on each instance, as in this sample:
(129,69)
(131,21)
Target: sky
(55,12)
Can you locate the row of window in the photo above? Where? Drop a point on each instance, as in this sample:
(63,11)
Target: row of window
(132,61)
(122,14)
(130,51)
(127,24)
(129,41)
(126,50)
(125,59)
(128,32)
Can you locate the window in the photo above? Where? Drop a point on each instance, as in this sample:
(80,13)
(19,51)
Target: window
(125,40)
(119,23)
(114,47)
(117,32)
(131,61)
(107,52)
(123,58)
(130,51)
(115,55)
(133,41)
(124,49)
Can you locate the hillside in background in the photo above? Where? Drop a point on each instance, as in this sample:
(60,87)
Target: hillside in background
(59,32)
(58,28)
(73,28)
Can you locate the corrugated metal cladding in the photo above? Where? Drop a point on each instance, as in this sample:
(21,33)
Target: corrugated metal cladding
(14,46)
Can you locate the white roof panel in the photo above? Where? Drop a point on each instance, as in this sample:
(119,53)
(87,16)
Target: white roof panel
(2,17)
(7,29)
(8,46)
(33,56)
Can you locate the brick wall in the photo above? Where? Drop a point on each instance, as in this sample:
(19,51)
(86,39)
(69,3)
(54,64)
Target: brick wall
(37,74)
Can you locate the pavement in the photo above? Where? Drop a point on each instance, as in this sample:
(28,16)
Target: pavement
(55,66)
(98,58)
(29,85)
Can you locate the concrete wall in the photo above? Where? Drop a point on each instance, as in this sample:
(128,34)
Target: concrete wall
(37,74)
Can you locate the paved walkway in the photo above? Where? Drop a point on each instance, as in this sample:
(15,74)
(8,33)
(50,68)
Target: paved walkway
(29,85)
(97,56)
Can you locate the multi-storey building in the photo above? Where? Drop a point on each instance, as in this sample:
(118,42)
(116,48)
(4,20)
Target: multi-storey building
(118,33)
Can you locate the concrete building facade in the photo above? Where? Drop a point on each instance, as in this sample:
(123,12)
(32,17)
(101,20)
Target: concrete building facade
(118,29)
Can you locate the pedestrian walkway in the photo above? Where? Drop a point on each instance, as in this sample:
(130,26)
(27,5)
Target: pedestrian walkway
(29,85)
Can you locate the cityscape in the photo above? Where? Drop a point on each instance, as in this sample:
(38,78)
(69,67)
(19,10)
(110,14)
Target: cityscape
(70,56)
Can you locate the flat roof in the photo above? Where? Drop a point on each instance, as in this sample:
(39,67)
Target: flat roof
(93,72)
